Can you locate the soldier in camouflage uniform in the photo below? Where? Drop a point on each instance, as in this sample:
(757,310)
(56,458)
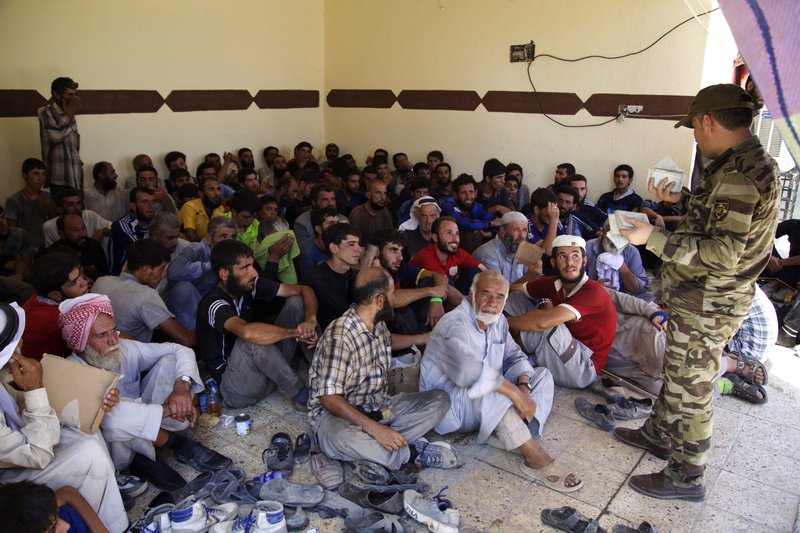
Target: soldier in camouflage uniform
(711,262)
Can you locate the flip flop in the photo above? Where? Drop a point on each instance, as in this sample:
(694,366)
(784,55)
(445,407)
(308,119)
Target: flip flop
(553,469)
(568,519)
(292,494)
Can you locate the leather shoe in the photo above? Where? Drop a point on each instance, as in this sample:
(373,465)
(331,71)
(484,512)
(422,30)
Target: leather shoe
(635,438)
(200,458)
(659,485)
(157,472)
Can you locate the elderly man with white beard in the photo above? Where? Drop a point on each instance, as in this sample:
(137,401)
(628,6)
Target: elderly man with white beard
(493,388)
(151,409)
(500,253)
(34,447)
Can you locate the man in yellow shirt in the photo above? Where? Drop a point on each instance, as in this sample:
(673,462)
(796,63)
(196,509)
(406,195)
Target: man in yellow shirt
(196,213)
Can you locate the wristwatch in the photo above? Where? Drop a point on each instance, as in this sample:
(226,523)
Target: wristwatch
(186,379)
(526,384)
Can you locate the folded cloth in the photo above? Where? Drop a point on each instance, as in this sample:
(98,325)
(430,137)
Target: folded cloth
(608,266)
(286,271)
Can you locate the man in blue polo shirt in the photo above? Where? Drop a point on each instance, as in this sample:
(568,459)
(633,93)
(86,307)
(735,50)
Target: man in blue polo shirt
(623,196)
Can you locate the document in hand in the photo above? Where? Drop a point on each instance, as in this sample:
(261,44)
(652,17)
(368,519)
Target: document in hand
(76,391)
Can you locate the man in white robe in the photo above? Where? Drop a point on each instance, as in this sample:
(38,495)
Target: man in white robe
(34,447)
(492,386)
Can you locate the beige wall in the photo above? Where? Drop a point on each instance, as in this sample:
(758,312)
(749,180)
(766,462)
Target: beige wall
(354,44)
(149,44)
(447,44)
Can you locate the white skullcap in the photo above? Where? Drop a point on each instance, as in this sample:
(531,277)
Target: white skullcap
(569,240)
(513,216)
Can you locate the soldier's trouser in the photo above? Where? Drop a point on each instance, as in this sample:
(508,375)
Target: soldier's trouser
(682,413)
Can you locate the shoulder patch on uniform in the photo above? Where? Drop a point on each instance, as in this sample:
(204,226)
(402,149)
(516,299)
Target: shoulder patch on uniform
(721,207)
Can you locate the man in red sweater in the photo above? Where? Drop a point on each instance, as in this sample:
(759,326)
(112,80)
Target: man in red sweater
(56,277)
(572,330)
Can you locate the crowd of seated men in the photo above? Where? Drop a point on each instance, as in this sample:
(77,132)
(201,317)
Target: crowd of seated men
(237,270)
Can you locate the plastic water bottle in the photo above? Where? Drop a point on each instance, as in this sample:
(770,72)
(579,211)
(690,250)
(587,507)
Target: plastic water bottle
(213,406)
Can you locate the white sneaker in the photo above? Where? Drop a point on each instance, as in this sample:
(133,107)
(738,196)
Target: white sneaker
(437,513)
(157,519)
(266,517)
(191,516)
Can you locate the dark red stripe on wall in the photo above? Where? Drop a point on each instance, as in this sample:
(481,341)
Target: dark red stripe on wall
(219,100)
(656,106)
(526,102)
(107,102)
(286,99)
(20,102)
(380,99)
(447,100)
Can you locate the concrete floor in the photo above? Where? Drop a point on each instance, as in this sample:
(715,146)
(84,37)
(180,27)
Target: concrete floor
(751,476)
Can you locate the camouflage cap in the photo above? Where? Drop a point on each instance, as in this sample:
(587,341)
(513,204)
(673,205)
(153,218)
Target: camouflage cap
(716,97)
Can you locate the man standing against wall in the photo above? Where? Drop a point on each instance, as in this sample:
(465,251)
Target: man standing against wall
(61,141)
(711,262)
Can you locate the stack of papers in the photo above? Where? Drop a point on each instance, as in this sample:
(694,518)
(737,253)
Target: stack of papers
(616,222)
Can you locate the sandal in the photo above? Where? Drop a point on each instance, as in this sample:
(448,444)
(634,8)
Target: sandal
(568,519)
(371,473)
(224,484)
(746,368)
(744,390)
(554,469)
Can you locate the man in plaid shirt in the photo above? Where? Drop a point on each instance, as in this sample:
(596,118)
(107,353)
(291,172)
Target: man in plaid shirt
(60,139)
(351,411)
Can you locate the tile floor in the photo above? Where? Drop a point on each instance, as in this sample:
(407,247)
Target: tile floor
(751,475)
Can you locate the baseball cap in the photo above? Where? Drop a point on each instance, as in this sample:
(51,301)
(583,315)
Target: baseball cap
(716,97)
(569,240)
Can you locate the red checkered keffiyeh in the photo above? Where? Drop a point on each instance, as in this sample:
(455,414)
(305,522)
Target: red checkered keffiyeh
(78,316)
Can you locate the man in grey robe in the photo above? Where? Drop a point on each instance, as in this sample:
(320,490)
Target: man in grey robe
(492,386)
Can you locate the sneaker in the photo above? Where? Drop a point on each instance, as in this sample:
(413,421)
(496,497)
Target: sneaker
(266,517)
(131,485)
(157,520)
(435,455)
(329,472)
(631,408)
(157,472)
(193,516)
(598,414)
(607,389)
(200,458)
(436,513)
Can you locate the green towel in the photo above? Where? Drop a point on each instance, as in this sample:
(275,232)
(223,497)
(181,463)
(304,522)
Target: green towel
(286,271)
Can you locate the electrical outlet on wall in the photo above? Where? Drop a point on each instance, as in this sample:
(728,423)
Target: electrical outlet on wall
(522,53)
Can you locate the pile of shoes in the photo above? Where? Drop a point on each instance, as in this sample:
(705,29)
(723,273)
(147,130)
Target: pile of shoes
(618,406)
(366,495)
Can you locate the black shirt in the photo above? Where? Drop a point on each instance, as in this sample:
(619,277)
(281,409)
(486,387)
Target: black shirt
(93,258)
(214,342)
(334,292)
